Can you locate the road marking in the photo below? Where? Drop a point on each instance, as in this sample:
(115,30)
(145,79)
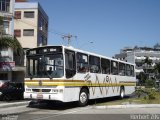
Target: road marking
(61,113)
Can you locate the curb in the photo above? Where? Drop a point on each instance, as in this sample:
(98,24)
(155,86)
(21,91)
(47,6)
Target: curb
(4,105)
(129,106)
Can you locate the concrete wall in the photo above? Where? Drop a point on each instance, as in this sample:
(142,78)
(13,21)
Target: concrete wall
(27,23)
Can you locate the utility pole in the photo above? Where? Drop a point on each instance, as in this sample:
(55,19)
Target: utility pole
(68,38)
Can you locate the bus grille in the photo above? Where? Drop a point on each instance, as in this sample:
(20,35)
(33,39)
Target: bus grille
(41,90)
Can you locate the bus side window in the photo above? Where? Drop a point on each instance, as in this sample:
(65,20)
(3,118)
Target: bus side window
(122,69)
(82,63)
(132,71)
(105,65)
(114,68)
(128,70)
(70,66)
(94,63)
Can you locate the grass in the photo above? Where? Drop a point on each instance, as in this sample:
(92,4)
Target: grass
(144,99)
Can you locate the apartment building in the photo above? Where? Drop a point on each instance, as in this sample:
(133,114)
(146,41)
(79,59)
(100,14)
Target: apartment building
(6,14)
(30,24)
(7,64)
(137,55)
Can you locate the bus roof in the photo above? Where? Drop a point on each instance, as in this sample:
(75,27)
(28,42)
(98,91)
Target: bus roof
(85,52)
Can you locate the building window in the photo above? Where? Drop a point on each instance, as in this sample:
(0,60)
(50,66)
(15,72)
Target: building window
(17,33)
(29,14)
(5,27)
(28,32)
(18,15)
(4,5)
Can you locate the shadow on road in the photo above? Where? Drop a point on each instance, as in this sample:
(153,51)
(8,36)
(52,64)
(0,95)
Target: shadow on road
(54,105)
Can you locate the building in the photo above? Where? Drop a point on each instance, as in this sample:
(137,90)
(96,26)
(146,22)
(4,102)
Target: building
(7,63)
(31,24)
(7,12)
(137,55)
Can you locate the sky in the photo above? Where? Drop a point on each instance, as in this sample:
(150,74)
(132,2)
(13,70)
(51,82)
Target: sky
(103,26)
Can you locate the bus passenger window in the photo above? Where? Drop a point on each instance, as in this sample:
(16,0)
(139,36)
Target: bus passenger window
(132,70)
(70,63)
(82,63)
(105,65)
(121,69)
(94,63)
(128,70)
(114,68)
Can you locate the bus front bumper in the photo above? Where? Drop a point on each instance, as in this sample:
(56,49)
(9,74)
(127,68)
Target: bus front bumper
(44,96)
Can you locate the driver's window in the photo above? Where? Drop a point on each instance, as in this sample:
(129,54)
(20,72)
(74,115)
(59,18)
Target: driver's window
(70,63)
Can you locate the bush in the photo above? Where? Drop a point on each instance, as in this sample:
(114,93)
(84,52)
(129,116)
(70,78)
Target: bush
(151,94)
(150,83)
(139,92)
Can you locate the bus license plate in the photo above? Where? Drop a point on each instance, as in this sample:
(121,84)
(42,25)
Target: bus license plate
(39,96)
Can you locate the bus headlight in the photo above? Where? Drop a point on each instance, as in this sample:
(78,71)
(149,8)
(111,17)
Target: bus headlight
(57,91)
(0,93)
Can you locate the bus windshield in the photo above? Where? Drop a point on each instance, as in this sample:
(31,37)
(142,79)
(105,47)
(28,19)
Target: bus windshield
(50,66)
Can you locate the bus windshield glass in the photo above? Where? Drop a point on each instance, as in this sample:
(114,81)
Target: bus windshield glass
(50,66)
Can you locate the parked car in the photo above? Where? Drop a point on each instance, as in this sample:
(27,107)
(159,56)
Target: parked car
(11,90)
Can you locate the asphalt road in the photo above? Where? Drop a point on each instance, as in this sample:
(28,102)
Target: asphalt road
(89,113)
(70,111)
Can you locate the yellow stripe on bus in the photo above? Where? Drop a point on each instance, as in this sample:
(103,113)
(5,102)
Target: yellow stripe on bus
(78,84)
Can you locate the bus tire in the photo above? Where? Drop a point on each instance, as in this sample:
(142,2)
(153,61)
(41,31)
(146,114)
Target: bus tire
(83,97)
(122,92)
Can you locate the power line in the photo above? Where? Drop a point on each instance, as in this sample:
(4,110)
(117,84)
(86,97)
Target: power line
(68,38)
(63,35)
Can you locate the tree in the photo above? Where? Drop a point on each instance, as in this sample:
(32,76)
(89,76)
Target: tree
(147,62)
(13,43)
(1,26)
(157,69)
(142,78)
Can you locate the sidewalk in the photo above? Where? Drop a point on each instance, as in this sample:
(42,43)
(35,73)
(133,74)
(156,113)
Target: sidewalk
(128,106)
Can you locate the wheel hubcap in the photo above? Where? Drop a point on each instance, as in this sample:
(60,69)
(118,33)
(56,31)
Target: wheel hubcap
(83,97)
(122,94)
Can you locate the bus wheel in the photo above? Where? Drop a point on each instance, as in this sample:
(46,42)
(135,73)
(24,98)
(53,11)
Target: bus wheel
(122,92)
(83,97)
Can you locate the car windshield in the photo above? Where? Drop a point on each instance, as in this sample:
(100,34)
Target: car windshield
(50,66)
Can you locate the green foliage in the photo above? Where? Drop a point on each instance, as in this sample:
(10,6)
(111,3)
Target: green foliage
(142,78)
(9,42)
(139,92)
(150,94)
(149,83)
(157,70)
(1,20)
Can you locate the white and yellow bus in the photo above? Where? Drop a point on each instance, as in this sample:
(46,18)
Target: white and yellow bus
(67,74)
